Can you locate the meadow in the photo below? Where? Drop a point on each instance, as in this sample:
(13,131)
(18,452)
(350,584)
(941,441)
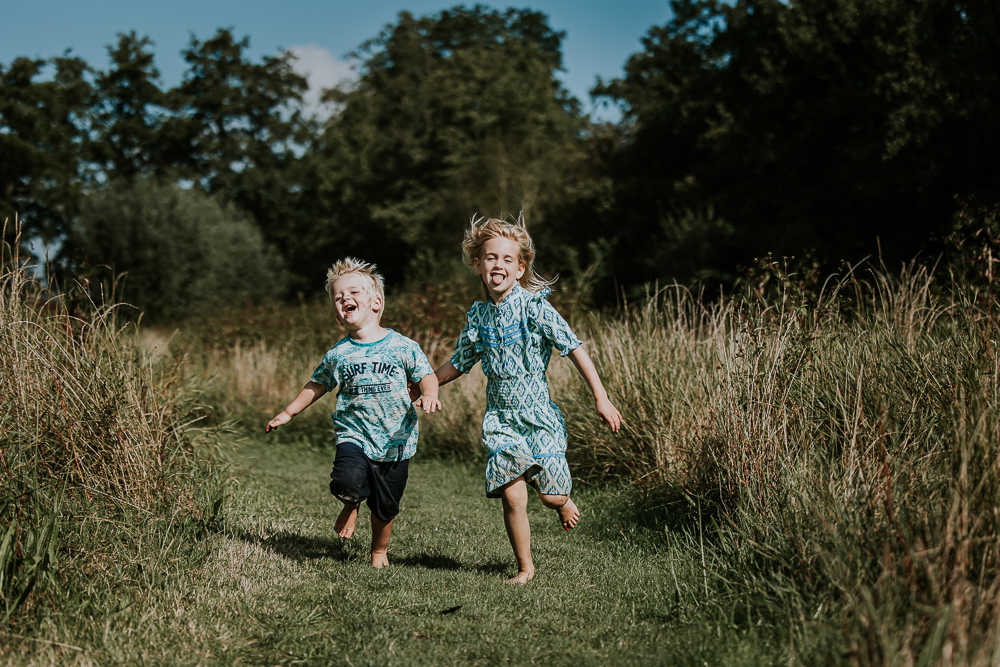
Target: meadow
(807,475)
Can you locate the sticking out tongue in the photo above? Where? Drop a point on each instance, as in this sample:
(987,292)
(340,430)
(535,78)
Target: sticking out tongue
(497,279)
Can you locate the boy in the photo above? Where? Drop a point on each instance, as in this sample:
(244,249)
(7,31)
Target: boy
(374,421)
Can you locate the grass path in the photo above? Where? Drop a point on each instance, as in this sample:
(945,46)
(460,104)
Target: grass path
(281,588)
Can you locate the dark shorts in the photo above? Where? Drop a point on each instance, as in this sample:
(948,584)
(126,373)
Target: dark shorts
(356,477)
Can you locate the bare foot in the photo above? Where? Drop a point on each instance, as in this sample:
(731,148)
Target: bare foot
(380,559)
(345,522)
(522,578)
(569,514)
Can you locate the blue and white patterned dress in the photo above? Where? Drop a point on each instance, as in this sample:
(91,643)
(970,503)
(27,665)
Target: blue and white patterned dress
(523,428)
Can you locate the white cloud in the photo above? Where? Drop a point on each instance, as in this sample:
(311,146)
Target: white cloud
(323,70)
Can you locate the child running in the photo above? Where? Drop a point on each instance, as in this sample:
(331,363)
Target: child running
(513,332)
(374,422)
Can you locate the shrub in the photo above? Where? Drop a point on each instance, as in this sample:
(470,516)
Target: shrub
(176,250)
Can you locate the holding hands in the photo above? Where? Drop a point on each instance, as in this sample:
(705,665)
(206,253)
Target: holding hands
(424,394)
(428,403)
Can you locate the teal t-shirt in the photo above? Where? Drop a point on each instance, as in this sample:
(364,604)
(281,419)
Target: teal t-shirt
(373,407)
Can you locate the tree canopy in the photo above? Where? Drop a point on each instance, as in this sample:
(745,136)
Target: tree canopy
(823,124)
(842,128)
(453,114)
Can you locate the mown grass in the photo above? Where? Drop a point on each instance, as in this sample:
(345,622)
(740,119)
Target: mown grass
(279,588)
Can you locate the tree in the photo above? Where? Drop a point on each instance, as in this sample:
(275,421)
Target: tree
(42,127)
(454,114)
(237,130)
(826,124)
(130,111)
(178,251)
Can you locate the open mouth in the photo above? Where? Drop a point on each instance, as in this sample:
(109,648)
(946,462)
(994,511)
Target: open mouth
(497,278)
(350,308)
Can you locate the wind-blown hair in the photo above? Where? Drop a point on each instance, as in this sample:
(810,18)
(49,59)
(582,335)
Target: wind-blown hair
(372,278)
(482,230)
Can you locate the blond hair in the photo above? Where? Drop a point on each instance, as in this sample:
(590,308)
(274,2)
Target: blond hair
(373,280)
(482,230)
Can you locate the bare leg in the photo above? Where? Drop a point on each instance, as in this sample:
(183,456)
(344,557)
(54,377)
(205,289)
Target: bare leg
(345,522)
(568,512)
(381,533)
(515,519)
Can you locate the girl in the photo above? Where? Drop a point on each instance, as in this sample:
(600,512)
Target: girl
(513,332)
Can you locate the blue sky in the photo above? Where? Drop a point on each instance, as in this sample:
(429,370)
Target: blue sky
(600,35)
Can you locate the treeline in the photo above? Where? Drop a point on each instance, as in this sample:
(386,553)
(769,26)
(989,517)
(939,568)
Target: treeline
(838,128)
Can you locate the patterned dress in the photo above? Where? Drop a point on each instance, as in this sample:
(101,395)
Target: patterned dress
(522,428)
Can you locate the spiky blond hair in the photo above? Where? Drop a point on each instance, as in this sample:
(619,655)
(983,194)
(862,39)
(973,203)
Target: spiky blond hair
(372,278)
(482,230)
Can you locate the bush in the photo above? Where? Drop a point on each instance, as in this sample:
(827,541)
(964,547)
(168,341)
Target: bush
(176,250)
(102,483)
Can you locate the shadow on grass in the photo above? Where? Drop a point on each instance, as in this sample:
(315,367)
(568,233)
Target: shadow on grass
(428,560)
(298,547)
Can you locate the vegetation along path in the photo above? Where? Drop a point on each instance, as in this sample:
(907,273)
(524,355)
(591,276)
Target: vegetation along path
(281,588)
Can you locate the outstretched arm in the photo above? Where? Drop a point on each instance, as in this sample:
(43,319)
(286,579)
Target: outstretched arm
(605,410)
(310,393)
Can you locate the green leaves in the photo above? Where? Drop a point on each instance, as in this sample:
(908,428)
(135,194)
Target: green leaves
(455,113)
(42,128)
(176,251)
(811,124)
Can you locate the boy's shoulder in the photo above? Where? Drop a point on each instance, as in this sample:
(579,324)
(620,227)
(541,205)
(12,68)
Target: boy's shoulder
(340,345)
(399,340)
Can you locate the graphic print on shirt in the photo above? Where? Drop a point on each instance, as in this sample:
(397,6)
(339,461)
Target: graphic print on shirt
(379,373)
(373,405)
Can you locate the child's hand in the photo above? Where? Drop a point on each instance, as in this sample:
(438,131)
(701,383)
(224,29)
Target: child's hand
(609,414)
(414,389)
(428,403)
(282,419)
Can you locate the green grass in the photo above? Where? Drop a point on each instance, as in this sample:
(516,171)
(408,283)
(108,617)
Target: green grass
(603,592)
(799,480)
(279,588)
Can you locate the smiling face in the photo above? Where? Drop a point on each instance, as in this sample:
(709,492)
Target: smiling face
(354,302)
(499,266)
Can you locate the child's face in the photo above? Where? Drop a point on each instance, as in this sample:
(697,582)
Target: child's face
(499,266)
(355,305)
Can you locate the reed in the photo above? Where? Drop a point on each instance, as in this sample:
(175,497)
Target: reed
(832,454)
(845,451)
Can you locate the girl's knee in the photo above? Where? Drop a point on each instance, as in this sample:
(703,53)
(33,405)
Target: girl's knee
(553,502)
(515,494)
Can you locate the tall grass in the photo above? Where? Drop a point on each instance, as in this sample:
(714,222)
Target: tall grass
(103,481)
(838,452)
(846,450)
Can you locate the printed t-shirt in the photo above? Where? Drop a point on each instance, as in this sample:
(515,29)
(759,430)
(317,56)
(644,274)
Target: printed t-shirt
(373,407)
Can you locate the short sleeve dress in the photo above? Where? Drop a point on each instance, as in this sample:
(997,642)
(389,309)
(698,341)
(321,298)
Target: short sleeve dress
(522,428)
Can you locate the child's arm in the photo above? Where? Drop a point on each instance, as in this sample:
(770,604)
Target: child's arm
(605,410)
(447,373)
(444,375)
(310,393)
(428,394)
